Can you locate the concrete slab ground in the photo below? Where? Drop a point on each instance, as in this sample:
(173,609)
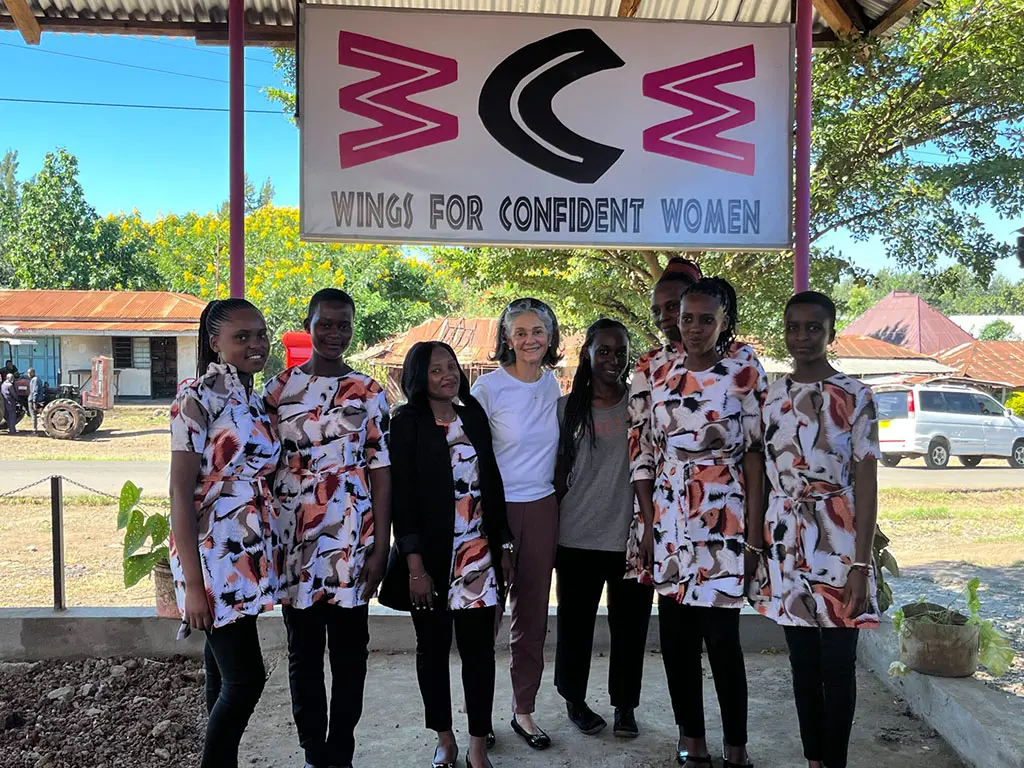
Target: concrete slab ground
(391,733)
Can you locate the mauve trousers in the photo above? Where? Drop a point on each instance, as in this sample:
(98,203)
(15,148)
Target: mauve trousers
(534,526)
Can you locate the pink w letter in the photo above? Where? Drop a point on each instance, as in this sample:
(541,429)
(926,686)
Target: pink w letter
(402,125)
(694,86)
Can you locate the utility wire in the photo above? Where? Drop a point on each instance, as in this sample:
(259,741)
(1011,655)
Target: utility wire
(201,49)
(173,107)
(126,65)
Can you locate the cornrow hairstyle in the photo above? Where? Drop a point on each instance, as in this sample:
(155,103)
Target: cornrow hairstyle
(210,321)
(503,352)
(721,289)
(416,376)
(680,270)
(817,299)
(578,420)
(329,295)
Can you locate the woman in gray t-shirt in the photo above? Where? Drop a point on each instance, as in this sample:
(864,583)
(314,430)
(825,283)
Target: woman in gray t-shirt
(596,507)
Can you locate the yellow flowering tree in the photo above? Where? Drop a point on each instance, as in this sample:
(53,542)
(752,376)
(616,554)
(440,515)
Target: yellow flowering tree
(392,290)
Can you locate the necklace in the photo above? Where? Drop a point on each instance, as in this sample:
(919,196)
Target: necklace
(446,419)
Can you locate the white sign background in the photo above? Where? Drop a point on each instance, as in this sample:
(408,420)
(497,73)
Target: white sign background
(607,107)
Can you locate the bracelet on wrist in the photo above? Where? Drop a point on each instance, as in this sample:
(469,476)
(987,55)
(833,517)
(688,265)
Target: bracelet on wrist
(417,578)
(747,547)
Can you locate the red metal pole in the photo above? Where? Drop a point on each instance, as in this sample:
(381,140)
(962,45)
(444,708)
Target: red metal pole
(802,223)
(236,42)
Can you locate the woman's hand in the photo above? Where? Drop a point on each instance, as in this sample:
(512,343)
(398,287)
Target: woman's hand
(373,572)
(647,549)
(507,568)
(421,591)
(855,594)
(751,560)
(197,608)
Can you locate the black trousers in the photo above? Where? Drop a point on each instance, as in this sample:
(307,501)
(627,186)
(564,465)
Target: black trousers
(345,633)
(234,682)
(582,575)
(474,635)
(824,663)
(683,629)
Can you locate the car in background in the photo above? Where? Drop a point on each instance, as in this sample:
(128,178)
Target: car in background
(938,421)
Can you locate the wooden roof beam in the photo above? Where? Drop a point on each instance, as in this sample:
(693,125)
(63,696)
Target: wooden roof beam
(24,20)
(627,8)
(894,14)
(837,14)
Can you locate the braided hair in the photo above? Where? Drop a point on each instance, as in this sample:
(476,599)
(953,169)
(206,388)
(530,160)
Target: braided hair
(578,420)
(214,315)
(721,289)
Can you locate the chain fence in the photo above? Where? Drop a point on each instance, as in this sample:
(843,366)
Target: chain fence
(57,525)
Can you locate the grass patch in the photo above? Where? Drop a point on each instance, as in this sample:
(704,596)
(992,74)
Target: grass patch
(919,513)
(78,457)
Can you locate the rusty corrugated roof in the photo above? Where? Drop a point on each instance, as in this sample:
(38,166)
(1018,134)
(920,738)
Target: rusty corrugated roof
(868,347)
(472,338)
(1001,361)
(101,311)
(909,321)
(272,21)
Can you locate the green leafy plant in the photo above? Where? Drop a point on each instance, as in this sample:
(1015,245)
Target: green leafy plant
(1015,403)
(995,653)
(883,558)
(141,528)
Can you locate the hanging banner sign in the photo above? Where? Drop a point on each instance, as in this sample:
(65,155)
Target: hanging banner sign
(500,129)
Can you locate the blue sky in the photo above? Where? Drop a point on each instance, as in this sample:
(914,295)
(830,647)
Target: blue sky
(163,161)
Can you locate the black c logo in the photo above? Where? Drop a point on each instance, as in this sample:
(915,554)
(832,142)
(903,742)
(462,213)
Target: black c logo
(584,161)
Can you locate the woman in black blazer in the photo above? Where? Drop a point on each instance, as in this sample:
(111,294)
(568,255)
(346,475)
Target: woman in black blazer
(452,554)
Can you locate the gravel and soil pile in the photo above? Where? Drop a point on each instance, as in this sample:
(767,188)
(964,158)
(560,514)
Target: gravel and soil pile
(101,713)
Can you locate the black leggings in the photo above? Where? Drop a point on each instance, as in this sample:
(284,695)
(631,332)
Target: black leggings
(824,663)
(234,682)
(345,634)
(474,635)
(683,629)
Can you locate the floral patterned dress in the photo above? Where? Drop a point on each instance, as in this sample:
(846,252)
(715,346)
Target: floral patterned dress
(473,583)
(240,546)
(814,433)
(333,432)
(688,433)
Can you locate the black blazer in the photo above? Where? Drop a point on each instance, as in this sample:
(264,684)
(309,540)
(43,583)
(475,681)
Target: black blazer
(423,499)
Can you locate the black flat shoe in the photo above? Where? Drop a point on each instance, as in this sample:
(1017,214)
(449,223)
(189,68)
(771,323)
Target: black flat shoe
(491,740)
(450,764)
(535,740)
(585,719)
(625,724)
(469,764)
(683,757)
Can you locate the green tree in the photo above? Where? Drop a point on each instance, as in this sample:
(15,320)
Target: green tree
(54,239)
(9,206)
(997,330)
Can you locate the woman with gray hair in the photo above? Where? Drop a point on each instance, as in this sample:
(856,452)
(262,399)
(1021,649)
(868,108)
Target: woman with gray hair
(521,402)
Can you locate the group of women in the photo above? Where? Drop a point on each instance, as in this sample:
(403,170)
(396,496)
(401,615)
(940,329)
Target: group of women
(691,479)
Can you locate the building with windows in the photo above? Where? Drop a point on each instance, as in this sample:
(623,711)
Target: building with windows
(151,336)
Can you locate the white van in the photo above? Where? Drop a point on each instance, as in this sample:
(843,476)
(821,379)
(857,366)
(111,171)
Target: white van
(937,421)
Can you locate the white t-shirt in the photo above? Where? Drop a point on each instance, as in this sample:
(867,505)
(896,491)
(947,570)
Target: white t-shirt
(524,428)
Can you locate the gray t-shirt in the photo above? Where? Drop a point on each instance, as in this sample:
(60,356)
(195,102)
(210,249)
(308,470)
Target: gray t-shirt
(597,510)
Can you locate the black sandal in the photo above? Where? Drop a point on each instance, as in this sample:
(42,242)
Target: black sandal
(450,764)
(683,757)
(727,763)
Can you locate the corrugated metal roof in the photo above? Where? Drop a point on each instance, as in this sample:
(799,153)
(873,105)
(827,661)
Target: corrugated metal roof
(988,361)
(101,311)
(147,328)
(867,347)
(909,321)
(472,338)
(162,16)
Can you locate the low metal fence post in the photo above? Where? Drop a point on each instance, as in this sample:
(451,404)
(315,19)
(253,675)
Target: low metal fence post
(60,602)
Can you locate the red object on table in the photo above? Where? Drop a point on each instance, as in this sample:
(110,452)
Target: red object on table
(297,347)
